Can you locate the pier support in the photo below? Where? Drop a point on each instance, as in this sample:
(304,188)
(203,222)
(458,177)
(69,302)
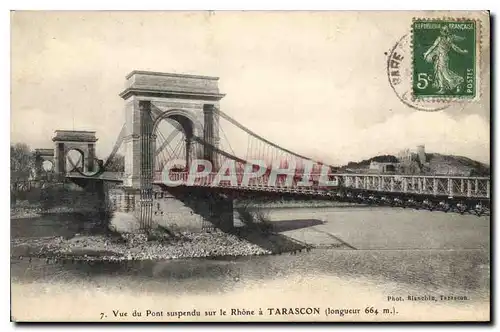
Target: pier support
(176,210)
(192,102)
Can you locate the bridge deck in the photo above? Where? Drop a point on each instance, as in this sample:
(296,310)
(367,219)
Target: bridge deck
(105,176)
(428,185)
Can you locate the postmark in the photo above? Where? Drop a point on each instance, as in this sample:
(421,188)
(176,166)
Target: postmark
(444,58)
(399,74)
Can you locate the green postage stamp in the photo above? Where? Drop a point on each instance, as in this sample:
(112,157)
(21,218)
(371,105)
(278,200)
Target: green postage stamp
(444,59)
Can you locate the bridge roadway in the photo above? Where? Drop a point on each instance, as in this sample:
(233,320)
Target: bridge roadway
(428,186)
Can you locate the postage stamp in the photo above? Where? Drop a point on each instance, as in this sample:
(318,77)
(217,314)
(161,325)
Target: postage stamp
(444,59)
(399,73)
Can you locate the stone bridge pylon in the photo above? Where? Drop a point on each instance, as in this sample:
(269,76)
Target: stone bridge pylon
(78,140)
(191,102)
(151,97)
(65,141)
(41,156)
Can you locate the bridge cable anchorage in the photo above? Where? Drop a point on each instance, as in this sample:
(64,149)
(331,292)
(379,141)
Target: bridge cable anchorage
(250,132)
(156,113)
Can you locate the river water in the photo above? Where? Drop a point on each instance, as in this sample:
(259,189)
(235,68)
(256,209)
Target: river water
(399,260)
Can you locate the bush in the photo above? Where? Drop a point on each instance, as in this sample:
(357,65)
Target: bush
(246,215)
(64,196)
(265,223)
(53,196)
(255,218)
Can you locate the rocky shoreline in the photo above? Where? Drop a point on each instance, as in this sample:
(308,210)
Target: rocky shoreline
(36,211)
(138,247)
(122,241)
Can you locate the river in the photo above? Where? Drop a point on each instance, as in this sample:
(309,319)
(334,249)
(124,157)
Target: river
(417,265)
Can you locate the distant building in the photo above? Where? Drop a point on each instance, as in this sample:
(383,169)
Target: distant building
(421,154)
(406,162)
(405,156)
(413,162)
(379,167)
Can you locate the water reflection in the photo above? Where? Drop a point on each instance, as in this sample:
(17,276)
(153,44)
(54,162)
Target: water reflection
(419,269)
(56,224)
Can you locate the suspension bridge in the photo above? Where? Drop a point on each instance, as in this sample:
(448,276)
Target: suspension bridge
(174,119)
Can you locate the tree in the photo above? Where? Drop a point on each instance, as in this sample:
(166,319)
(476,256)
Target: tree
(117,164)
(22,164)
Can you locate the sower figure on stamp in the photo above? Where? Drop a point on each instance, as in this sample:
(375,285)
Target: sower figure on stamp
(444,78)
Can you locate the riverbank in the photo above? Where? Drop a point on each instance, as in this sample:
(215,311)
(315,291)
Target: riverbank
(80,236)
(139,247)
(405,252)
(27,210)
(66,232)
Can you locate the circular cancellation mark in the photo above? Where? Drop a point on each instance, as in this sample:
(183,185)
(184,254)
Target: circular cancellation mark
(399,73)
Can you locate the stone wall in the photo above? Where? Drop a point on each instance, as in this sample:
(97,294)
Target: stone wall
(181,211)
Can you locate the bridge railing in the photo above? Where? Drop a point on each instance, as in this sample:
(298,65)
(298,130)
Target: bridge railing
(451,186)
(253,182)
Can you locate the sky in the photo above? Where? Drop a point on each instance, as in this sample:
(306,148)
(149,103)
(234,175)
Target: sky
(315,83)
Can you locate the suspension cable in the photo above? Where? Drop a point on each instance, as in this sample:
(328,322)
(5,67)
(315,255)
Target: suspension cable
(225,154)
(248,131)
(118,144)
(229,143)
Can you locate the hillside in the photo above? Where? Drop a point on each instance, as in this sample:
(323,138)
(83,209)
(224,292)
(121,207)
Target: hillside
(446,164)
(366,163)
(436,164)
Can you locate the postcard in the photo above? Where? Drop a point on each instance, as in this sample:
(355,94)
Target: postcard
(250,166)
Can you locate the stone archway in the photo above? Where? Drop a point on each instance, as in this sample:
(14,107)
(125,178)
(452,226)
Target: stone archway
(190,100)
(75,160)
(67,140)
(181,121)
(42,156)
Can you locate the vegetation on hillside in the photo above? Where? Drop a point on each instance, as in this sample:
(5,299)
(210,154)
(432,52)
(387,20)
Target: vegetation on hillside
(458,163)
(387,158)
(437,164)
